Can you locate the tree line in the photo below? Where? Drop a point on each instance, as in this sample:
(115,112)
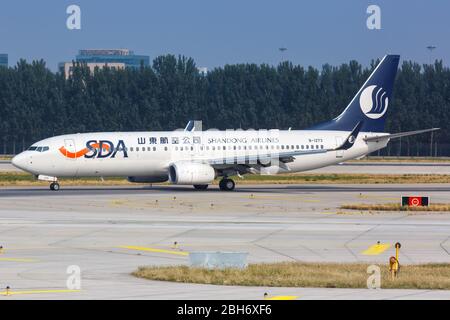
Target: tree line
(36,103)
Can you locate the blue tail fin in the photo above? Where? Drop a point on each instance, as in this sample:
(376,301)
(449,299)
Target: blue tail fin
(370,104)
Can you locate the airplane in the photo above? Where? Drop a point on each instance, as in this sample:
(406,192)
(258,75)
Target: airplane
(196,157)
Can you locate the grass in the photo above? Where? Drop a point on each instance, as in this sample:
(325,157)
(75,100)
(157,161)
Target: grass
(401,159)
(345,178)
(296,274)
(24,179)
(435,207)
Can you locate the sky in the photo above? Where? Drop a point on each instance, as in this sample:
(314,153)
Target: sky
(219,32)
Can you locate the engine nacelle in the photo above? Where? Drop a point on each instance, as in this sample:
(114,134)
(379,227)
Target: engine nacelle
(148,179)
(191,173)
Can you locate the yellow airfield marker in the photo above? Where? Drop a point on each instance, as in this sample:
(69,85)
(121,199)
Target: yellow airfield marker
(376,249)
(282,298)
(17,260)
(11,293)
(180,253)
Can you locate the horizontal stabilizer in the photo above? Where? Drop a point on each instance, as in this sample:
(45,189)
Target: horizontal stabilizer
(399,135)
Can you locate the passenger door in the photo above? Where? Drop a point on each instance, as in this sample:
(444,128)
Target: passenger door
(69,144)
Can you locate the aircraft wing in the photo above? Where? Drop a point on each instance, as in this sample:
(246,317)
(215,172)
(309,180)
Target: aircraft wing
(398,135)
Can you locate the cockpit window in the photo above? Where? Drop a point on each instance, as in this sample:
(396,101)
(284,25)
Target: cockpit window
(38,149)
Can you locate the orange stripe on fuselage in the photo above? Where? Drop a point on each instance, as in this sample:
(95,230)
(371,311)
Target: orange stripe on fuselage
(74,155)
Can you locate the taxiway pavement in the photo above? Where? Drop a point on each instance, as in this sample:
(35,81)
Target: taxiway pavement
(44,232)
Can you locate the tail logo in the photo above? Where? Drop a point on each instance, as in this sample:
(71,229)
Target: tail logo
(374,102)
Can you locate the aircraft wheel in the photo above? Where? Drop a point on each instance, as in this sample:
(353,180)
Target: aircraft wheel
(227,184)
(55,186)
(200,186)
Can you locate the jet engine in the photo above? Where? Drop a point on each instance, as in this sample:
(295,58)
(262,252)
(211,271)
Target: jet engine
(191,173)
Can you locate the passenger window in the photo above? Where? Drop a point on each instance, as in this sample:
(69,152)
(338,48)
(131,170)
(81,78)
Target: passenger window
(307,147)
(131,149)
(154,148)
(165,148)
(287,147)
(282,147)
(224,148)
(321,147)
(303,147)
(137,149)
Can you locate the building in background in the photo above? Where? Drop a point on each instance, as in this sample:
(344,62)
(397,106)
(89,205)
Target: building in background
(125,56)
(3,60)
(67,67)
(99,58)
(203,70)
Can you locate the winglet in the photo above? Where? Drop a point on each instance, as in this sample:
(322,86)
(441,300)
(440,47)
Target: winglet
(194,125)
(350,141)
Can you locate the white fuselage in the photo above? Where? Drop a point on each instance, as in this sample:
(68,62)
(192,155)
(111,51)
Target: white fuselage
(146,154)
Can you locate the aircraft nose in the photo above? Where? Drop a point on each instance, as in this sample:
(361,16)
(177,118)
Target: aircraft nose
(20,161)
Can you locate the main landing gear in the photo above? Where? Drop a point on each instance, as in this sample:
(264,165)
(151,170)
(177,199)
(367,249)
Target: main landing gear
(227,184)
(54,186)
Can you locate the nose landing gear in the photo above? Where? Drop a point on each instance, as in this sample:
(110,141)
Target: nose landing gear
(54,185)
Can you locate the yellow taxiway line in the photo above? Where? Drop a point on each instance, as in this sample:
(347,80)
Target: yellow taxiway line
(282,298)
(11,293)
(376,249)
(17,260)
(180,253)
